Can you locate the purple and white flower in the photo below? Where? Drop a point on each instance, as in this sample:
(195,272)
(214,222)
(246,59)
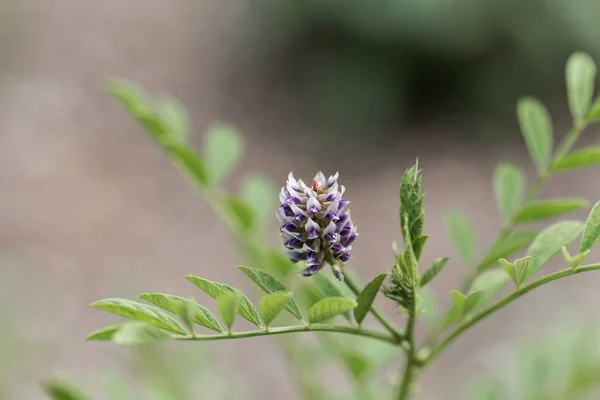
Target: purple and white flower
(315,224)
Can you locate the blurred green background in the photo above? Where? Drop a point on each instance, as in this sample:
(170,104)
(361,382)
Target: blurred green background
(89,208)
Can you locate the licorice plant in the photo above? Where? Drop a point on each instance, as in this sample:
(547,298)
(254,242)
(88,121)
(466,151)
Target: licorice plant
(317,231)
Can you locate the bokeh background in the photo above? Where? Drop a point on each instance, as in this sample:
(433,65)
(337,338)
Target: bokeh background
(90,208)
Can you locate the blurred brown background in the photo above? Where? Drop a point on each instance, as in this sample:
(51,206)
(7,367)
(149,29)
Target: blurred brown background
(90,208)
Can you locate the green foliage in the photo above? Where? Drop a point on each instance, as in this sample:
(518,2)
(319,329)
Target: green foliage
(509,188)
(329,308)
(228,307)
(174,116)
(490,283)
(259,193)
(433,270)
(506,246)
(224,147)
(539,210)
(412,211)
(367,296)
(175,304)
(463,235)
(138,333)
(139,312)
(550,241)
(105,333)
(61,390)
(581,76)
(272,304)
(466,304)
(517,271)
(591,231)
(578,159)
(536,128)
(271,285)
(214,289)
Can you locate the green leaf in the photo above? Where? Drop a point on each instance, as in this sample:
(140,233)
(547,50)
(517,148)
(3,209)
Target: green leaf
(271,285)
(591,232)
(175,118)
(578,159)
(105,333)
(594,113)
(329,308)
(279,263)
(188,161)
(228,307)
(458,299)
(412,212)
(550,241)
(187,314)
(522,266)
(433,270)
(139,312)
(241,213)
(472,301)
(509,268)
(327,288)
(138,333)
(509,187)
(174,304)
(271,305)
(223,148)
(61,390)
(258,193)
(536,128)
(419,244)
(367,296)
(358,364)
(581,76)
(539,210)
(506,246)
(463,235)
(576,261)
(490,283)
(214,289)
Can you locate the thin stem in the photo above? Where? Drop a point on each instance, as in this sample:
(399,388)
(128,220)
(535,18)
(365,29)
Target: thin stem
(300,328)
(507,300)
(386,323)
(408,376)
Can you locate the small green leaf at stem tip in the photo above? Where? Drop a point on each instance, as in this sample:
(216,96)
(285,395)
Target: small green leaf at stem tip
(139,312)
(577,159)
(139,333)
(580,76)
(228,307)
(506,246)
(522,266)
(412,212)
(271,305)
(509,268)
(214,289)
(463,235)
(175,304)
(576,261)
(539,210)
(591,231)
(367,296)
(223,147)
(62,390)
(433,270)
(536,128)
(269,284)
(472,301)
(329,308)
(550,242)
(509,188)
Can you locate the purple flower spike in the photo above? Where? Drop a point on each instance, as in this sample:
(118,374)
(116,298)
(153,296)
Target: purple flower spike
(315,224)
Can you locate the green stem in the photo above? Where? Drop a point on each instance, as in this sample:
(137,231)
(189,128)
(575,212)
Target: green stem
(408,376)
(300,328)
(386,323)
(507,300)
(407,379)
